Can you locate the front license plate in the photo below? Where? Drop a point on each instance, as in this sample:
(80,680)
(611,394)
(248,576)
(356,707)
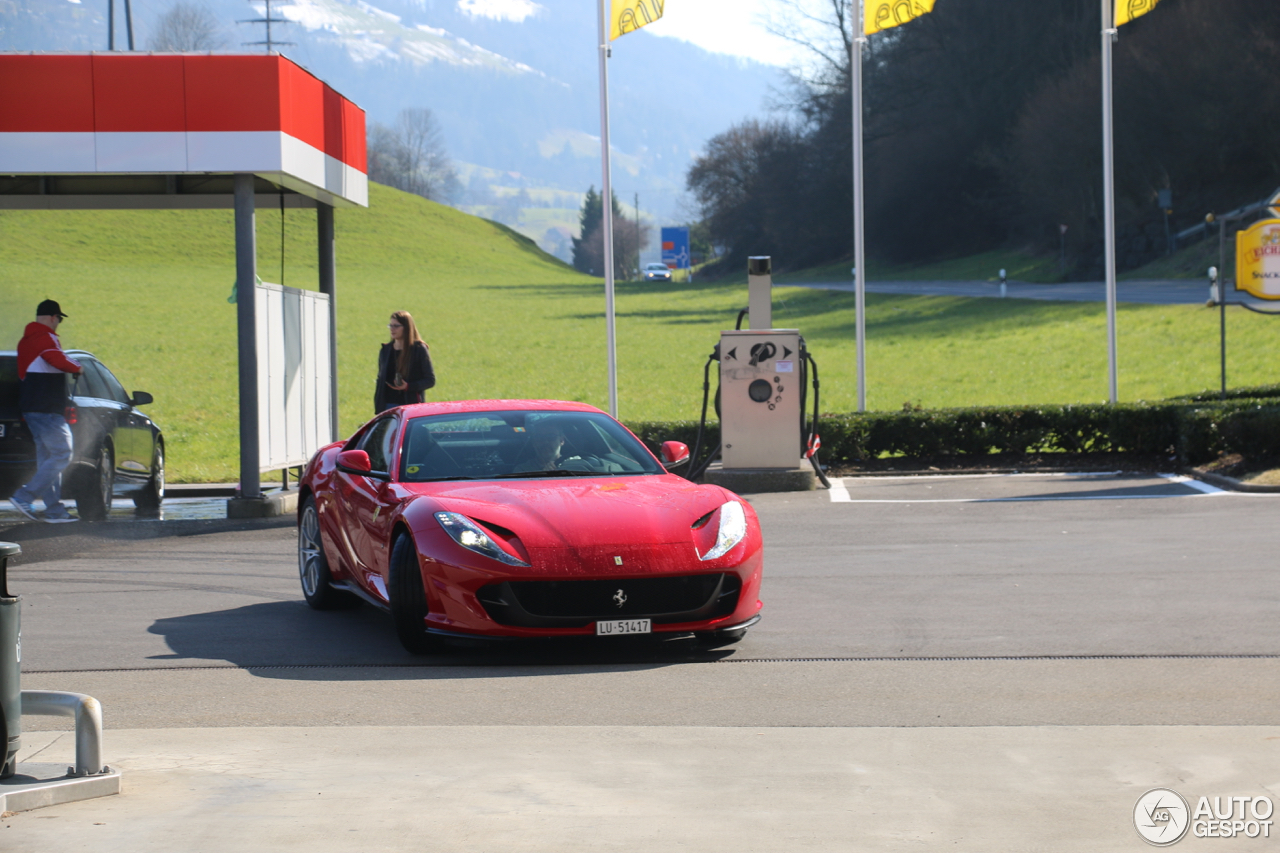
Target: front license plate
(616,627)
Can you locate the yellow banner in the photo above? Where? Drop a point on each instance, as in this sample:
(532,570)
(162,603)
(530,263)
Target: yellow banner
(627,16)
(883,14)
(1258,259)
(1127,10)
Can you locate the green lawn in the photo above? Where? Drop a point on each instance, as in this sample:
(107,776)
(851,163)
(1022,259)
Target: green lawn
(148,291)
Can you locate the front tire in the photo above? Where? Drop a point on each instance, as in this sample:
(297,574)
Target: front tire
(313,565)
(152,495)
(409,598)
(94,502)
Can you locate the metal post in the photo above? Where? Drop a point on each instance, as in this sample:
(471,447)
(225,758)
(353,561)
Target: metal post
(10,666)
(1109,194)
(328,285)
(247,335)
(1222,300)
(111,24)
(859,252)
(607,209)
(128,23)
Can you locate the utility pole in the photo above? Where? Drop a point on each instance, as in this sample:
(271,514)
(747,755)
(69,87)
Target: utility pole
(637,232)
(270,43)
(111,24)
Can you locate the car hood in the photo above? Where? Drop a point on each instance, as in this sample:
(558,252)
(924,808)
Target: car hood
(598,524)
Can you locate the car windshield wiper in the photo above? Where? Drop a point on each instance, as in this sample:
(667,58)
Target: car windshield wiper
(554,472)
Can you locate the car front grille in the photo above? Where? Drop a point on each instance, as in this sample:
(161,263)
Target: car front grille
(574,604)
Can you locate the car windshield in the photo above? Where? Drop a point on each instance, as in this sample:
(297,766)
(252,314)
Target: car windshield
(662,267)
(499,445)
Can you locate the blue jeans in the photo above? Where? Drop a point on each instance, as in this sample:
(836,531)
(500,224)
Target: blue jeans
(53,453)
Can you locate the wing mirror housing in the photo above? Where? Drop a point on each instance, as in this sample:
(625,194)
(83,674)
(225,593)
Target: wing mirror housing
(141,398)
(674,454)
(356,462)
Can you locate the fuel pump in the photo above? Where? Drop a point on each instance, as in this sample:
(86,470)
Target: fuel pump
(764,378)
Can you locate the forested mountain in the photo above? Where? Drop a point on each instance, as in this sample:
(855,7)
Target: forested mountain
(983,128)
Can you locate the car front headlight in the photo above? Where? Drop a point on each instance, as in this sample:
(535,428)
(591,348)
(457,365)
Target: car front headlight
(469,535)
(733,527)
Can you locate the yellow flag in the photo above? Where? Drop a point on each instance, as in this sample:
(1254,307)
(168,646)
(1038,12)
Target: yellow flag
(1127,10)
(883,14)
(627,16)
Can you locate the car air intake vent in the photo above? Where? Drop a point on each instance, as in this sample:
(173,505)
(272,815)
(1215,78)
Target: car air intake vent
(570,604)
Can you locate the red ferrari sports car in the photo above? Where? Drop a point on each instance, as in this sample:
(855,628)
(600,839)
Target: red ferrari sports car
(523,518)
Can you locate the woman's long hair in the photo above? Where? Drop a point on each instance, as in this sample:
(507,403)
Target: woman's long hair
(405,319)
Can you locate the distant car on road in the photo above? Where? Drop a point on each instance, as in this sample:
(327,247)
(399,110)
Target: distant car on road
(116,448)
(657,272)
(508,519)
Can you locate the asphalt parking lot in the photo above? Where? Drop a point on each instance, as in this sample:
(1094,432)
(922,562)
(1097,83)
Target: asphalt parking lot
(984,663)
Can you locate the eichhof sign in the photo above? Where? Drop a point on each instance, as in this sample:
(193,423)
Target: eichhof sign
(1258,259)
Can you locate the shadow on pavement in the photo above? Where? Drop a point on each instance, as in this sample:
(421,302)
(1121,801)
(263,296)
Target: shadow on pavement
(287,639)
(1154,490)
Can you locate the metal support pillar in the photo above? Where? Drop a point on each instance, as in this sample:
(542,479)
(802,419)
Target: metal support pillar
(247,335)
(328,285)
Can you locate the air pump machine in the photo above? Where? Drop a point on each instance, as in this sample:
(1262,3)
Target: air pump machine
(764,375)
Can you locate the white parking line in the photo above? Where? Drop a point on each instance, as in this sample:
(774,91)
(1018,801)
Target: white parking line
(1193,483)
(839,492)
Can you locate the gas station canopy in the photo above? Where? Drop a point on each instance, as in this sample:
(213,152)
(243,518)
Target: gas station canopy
(198,130)
(113,130)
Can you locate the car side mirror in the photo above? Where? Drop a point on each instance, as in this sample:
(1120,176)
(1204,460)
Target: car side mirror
(355,462)
(141,398)
(674,454)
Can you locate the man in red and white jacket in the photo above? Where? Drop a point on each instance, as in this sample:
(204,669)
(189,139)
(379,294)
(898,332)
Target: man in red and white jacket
(42,396)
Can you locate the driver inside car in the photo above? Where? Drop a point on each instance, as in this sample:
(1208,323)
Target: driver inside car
(546,439)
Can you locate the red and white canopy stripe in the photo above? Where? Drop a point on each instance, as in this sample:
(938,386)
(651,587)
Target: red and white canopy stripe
(175,114)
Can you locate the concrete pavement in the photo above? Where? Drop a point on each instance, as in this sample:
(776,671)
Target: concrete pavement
(616,788)
(980,663)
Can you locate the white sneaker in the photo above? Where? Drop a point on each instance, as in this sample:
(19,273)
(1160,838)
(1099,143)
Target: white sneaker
(59,519)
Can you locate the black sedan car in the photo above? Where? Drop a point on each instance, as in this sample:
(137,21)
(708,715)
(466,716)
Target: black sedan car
(116,448)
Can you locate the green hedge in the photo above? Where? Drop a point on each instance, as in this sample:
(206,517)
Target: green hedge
(1186,432)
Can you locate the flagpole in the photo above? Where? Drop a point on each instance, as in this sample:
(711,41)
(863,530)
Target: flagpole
(859,253)
(606,204)
(1109,191)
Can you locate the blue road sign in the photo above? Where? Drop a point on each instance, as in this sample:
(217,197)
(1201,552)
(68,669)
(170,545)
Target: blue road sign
(675,248)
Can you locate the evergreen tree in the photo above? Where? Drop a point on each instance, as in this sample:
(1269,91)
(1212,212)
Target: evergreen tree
(588,246)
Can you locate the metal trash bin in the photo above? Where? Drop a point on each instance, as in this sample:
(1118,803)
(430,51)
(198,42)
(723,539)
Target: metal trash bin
(10,666)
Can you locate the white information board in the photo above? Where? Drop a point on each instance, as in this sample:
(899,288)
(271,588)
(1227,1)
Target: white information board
(292,329)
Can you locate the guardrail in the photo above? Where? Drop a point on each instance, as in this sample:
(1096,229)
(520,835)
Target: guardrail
(88,714)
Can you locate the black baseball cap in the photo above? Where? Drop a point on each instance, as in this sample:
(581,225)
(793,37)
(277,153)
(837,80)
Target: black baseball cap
(49,308)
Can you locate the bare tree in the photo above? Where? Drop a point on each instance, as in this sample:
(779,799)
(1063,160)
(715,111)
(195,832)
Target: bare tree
(410,155)
(187,26)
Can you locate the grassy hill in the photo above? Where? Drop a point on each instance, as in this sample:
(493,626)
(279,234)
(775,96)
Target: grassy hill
(147,291)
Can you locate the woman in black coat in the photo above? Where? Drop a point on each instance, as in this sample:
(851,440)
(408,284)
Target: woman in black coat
(404,366)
